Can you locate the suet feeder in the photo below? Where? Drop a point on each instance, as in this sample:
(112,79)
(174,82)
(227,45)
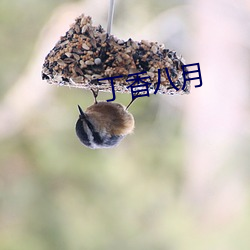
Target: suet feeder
(87,53)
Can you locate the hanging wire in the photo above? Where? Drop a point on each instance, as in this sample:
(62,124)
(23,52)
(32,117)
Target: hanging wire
(110,15)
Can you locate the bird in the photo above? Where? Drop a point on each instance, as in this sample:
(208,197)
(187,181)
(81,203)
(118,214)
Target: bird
(104,124)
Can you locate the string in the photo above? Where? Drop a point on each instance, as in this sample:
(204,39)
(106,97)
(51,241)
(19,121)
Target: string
(110,15)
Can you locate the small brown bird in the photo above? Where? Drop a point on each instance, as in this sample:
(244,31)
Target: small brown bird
(104,124)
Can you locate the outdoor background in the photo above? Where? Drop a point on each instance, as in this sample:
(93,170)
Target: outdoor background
(180,182)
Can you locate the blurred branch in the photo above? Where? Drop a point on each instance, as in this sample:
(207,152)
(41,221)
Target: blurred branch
(216,117)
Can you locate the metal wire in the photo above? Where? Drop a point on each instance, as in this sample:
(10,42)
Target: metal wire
(110,15)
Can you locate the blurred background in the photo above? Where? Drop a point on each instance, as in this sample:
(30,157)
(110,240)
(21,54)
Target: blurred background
(181,181)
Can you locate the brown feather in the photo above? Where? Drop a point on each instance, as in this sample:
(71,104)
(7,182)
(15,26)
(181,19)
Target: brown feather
(112,117)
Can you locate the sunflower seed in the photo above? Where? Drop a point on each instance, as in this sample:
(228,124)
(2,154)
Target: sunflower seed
(85,46)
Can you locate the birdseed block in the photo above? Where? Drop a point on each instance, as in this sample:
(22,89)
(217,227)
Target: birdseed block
(87,53)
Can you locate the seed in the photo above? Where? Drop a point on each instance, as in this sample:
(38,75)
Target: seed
(78,70)
(88,62)
(126,56)
(150,74)
(118,58)
(154,49)
(68,54)
(88,77)
(77,79)
(69,60)
(77,51)
(103,37)
(77,57)
(98,61)
(85,46)
(95,76)
(77,29)
(120,42)
(84,28)
(128,50)
(135,45)
(61,62)
(145,42)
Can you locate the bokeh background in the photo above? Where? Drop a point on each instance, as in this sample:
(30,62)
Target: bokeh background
(180,182)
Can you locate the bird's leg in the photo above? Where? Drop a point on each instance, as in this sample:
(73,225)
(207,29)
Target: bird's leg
(130,103)
(95,94)
(133,99)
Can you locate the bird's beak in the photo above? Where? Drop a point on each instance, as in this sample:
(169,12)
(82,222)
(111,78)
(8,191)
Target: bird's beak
(82,115)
